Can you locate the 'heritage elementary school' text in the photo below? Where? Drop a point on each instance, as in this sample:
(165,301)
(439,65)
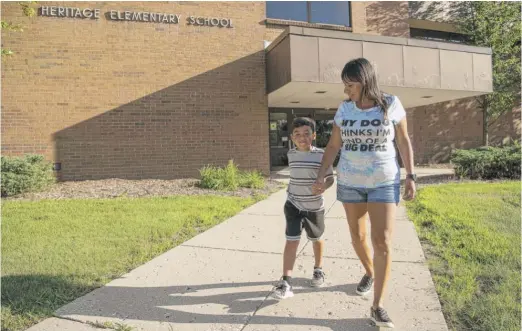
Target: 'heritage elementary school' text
(116,15)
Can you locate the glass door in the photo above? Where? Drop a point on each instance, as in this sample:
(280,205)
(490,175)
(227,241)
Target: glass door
(324,123)
(279,139)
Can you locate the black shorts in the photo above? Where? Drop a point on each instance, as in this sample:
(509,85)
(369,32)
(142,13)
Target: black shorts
(313,223)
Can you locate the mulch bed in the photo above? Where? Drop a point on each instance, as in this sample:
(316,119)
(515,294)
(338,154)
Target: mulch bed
(113,188)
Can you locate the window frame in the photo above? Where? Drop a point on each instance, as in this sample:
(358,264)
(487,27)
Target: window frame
(309,16)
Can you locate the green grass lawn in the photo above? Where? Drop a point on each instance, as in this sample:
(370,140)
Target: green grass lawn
(471,235)
(54,251)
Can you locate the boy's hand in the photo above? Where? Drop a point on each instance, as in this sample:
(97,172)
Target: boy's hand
(318,187)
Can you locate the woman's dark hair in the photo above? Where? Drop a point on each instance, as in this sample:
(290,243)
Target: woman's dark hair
(361,71)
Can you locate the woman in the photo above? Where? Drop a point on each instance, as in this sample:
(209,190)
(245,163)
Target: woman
(368,173)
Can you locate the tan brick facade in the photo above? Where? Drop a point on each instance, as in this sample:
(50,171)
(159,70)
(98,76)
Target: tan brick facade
(439,128)
(137,99)
(385,18)
(273,31)
(506,129)
(149,100)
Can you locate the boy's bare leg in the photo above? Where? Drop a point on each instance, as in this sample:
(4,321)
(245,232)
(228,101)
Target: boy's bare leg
(318,253)
(318,277)
(284,290)
(289,256)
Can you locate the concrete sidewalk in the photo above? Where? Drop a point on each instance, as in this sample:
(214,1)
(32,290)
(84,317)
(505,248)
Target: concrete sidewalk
(221,280)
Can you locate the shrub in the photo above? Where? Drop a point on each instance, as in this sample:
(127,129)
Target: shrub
(251,179)
(25,174)
(488,162)
(216,178)
(229,178)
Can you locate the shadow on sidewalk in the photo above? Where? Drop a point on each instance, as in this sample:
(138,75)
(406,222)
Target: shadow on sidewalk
(234,305)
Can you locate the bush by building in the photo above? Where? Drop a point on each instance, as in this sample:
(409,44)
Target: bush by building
(25,174)
(488,162)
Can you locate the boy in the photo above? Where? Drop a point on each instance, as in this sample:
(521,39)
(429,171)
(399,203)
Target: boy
(304,208)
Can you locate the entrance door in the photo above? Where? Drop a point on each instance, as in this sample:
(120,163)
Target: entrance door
(325,122)
(281,128)
(279,139)
(323,131)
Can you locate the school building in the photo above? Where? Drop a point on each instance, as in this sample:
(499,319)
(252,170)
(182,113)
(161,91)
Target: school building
(159,89)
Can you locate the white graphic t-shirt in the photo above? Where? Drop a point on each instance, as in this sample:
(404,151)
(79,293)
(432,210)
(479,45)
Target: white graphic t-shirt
(368,158)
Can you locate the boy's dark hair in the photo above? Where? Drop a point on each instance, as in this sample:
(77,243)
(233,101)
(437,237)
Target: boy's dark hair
(304,121)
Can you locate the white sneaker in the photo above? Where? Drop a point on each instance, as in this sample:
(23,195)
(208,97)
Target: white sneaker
(318,278)
(283,291)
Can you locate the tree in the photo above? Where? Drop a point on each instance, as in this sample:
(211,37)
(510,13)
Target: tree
(496,24)
(29,12)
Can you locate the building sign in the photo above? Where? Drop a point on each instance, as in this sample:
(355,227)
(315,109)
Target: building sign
(205,21)
(69,12)
(116,15)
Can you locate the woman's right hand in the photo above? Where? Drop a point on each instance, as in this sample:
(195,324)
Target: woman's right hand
(333,147)
(319,186)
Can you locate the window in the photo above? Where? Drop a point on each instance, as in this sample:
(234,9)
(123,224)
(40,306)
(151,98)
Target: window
(278,130)
(325,12)
(330,12)
(287,10)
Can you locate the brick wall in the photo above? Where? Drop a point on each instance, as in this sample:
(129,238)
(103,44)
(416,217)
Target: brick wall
(506,129)
(439,128)
(385,18)
(273,31)
(148,100)
(137,99)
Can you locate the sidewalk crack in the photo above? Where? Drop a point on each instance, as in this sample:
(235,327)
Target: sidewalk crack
(97,325)
(230,249)
(257,308)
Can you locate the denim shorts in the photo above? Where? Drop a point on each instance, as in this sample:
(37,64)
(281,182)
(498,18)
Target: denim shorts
(383,194)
